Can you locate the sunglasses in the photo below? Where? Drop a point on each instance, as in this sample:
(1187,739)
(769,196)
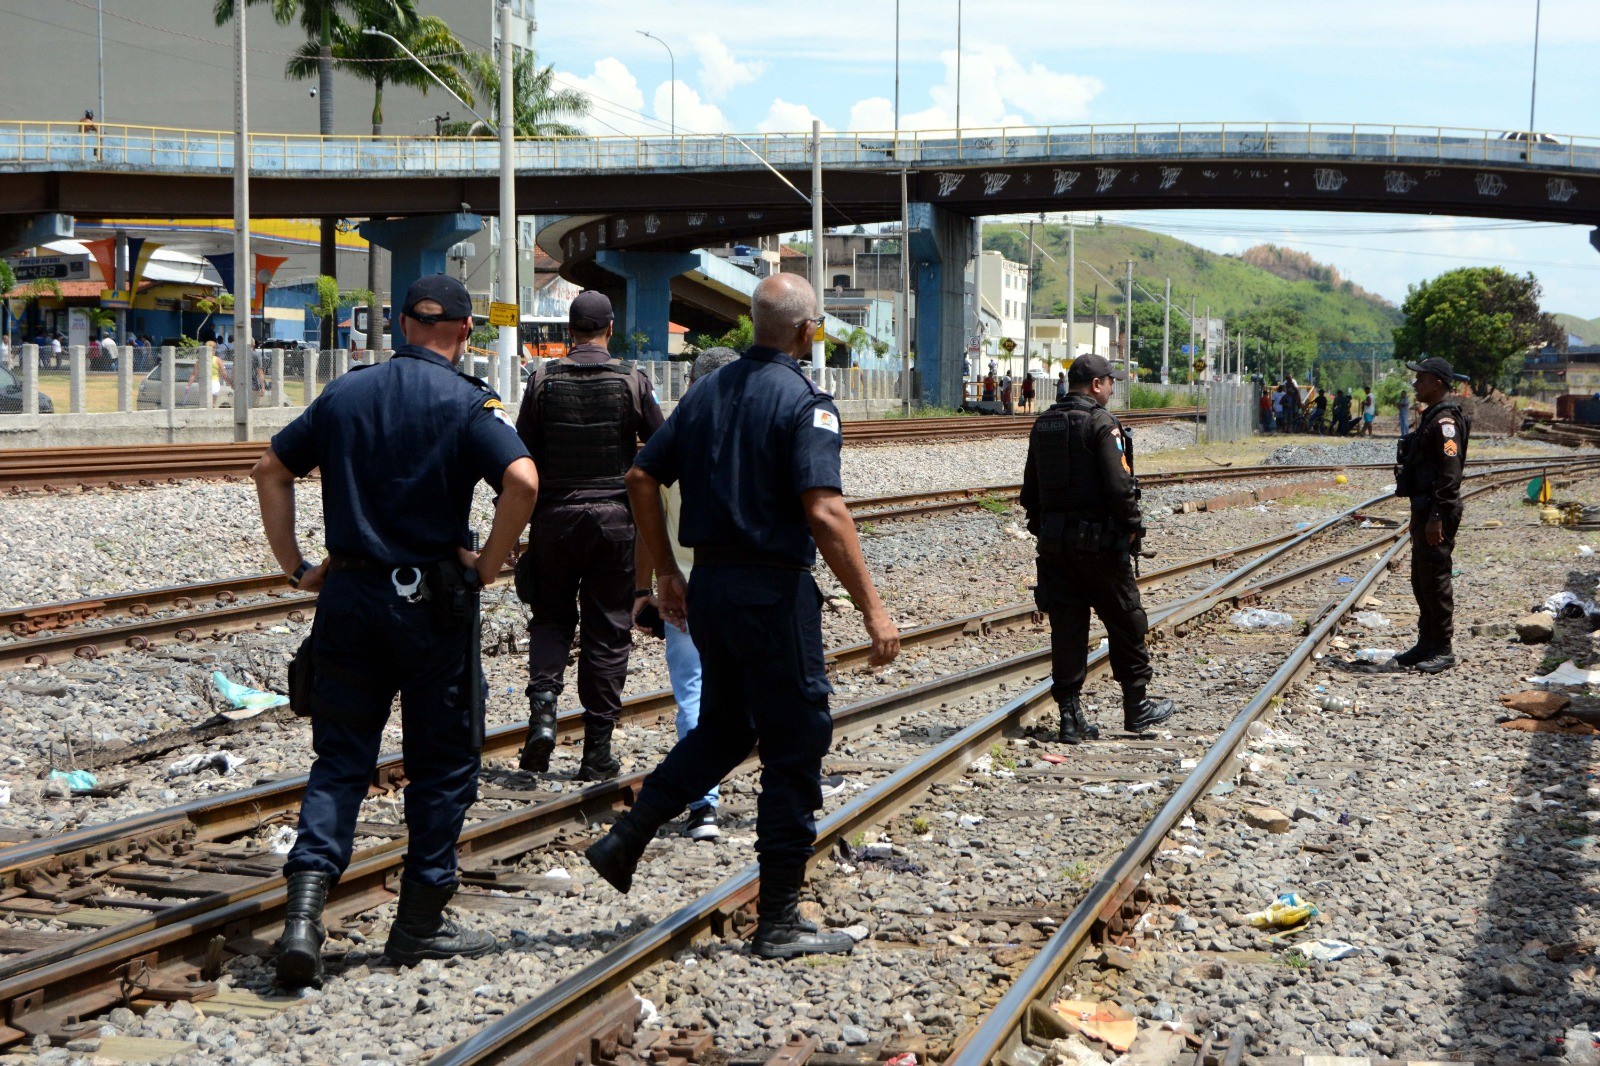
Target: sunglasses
(814,320)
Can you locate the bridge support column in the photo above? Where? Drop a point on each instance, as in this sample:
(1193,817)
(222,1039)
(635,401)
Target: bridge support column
(25,231)
(941,244)
(647,293)
(416,247)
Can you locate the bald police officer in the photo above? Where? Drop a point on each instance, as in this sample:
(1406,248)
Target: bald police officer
(582,420)
(1431,461)
(755,447)
(1082,501)
(401,446)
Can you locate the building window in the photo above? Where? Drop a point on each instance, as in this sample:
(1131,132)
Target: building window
(527,299)
(494,231)
(525,232)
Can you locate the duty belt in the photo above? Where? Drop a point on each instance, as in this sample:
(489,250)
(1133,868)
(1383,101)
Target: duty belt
(407,578)
(729,556)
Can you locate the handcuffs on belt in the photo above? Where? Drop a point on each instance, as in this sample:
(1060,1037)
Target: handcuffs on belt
(410,591)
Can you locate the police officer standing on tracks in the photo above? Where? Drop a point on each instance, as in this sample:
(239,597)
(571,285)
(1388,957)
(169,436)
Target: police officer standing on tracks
(582,419)
(401,446)
(755,447)
(1083,504)
(1429,472)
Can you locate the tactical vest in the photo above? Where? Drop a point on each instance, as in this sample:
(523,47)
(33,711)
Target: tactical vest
(588,424)
(1415,472)
(1071,493)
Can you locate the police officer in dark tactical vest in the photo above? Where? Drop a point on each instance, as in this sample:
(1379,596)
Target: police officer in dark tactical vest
(582,418)
(1431,459)
(1083,505)
(401,445)
(755,449)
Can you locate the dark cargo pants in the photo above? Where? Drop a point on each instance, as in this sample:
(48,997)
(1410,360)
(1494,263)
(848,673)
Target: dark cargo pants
(1071,584)
(584,557)
(759,633)
(370,644)
(1431,582)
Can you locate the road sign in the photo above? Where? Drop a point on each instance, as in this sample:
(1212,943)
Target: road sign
(1199,364)
(1187,349)
(502,314)
(1008,344)
(115,298)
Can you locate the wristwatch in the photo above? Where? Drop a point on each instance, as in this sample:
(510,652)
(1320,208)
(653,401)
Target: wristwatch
(641,594)
(299,572)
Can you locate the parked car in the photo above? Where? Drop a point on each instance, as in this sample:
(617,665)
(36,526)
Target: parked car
(148,397)
(11,396)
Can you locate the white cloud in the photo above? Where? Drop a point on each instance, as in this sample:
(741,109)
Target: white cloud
(720,72)
(694,115)
(614,96)
(997,89)
(784,117)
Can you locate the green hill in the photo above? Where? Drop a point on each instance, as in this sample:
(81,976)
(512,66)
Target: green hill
(1586,330)
(1312,305)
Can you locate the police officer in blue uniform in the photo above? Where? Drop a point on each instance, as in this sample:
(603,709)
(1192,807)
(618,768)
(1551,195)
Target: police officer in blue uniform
(1082,500)
(401,446)
(755,450)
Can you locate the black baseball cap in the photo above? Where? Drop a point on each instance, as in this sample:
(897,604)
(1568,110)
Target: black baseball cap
(451,296)
(1437,367)
(590,312)
(1086,368)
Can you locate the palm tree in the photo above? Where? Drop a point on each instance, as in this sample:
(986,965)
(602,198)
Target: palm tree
(538,107)
(377,60)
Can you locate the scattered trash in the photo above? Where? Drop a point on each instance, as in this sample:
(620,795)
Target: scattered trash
(5,793)
(1371,619)
(1375,655)
(1051,757)
(283,839)
(908,1059)
(1538,703)
(1105,1022)
(77,780)
(1140,786)
(1579,843)
(247,702)
(1585,551)
(1566,604)
(1285,912)
(1098,790)
(222,762)
(557,871)
(1343,580)
(648,1014)
(1568,673)
(1327,950)
(1335,704)
(1341,479)
(1260,618)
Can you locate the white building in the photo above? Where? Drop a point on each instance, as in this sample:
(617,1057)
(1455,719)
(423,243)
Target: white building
(1003,299)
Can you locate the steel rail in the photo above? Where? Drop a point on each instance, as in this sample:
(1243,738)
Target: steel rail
(521,1036)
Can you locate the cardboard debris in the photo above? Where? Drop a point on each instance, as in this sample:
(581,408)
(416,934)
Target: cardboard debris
(1536,703)
(1565,725)
(1105,1022)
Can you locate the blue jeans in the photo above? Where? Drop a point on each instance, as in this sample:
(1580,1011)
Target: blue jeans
(683,667)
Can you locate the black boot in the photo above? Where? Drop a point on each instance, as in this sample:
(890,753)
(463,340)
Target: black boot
(1074,727)
(1437,662)
(300,948)
(615,855)
(598,764)
(421,931)
(541,732)
(1140,714)
(1412,655)
(780,932)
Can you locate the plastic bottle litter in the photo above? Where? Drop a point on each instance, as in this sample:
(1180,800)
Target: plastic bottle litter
(1260,618)
(1375,655)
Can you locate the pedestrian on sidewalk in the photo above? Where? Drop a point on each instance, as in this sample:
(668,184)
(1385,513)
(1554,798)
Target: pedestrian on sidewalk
(1369,411)
(1405,413)
(1006,387)
(1027,392)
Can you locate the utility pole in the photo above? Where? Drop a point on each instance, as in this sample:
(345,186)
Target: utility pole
(897,75)
(1027,322)
(1207,339)
(904,319)
(1072,293)
(1127,344)
(506,341)
(100,34)
(244,279)
(1194,349)
(818,252)
(958,68)
(1533,89)
(1166,333)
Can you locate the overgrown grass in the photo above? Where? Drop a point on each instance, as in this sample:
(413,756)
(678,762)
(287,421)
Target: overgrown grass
(931,410)
(1144,397)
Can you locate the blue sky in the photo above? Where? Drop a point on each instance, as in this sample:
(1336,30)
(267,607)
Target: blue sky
(750,65)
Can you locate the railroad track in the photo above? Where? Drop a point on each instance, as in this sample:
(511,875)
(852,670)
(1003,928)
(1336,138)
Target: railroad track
(193,884)
(61,469)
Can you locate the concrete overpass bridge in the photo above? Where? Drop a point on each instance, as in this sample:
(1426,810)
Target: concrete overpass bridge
(632,202)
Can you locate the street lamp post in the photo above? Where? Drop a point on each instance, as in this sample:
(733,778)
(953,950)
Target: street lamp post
(672,66)
(1533,89)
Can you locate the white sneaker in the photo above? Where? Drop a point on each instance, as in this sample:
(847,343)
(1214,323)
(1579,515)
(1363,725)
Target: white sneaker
(701,823)
(833,784)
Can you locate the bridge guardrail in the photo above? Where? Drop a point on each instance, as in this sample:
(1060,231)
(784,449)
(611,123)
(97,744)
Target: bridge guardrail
(77,146)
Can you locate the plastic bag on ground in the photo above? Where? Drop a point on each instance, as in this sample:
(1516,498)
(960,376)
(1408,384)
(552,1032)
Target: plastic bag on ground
(1375,655)
(1569,605)
(1327,950)
(1260,618)
(1370,619)
(283,839)
(1568,673)
(222,762)
(246,702)
(77,780)
(1284,912)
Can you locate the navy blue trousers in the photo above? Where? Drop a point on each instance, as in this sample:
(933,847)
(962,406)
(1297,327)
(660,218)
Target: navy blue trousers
(759,633)
(371,645)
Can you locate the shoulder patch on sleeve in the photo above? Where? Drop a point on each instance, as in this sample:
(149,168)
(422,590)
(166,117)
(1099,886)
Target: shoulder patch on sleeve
(827,420)
(493,404)
(1448,429)
(1450,447)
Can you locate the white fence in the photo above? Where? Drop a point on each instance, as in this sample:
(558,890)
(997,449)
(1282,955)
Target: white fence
(1230,411)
